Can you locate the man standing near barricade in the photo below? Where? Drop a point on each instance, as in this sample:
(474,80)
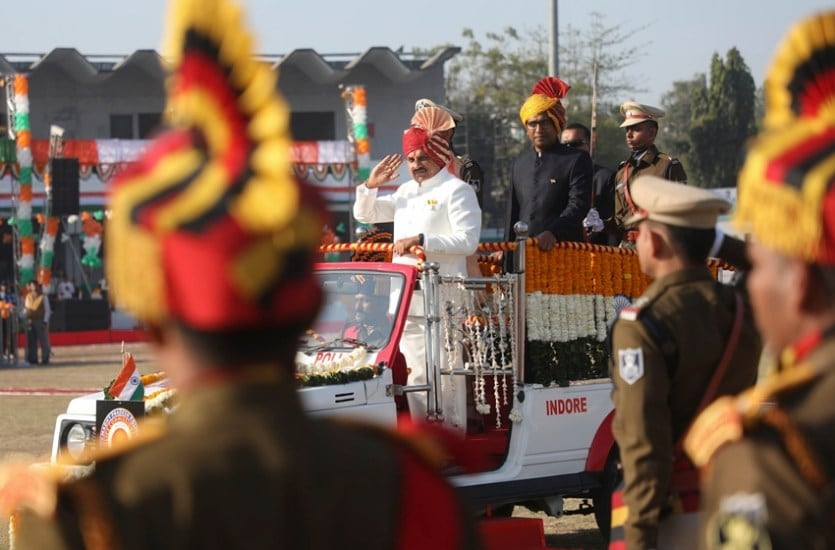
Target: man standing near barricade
(211,244)
(443,121)
(768,455)
(550,184)
(641,127)
(686,341)
(438,212)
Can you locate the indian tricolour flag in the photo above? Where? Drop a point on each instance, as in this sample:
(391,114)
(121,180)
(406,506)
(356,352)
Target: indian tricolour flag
(128,385)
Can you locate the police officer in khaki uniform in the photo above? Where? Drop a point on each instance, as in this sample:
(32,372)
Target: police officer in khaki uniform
(768,455)
(641,127)
(667,352)
(211,244)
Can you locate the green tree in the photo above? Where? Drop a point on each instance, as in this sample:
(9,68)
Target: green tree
(722,119)
(674,136)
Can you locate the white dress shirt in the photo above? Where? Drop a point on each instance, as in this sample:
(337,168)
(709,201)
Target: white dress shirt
(443,208)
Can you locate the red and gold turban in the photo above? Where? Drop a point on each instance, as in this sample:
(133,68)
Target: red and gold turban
(210,228)
(786,192)
(545,98)
(435,147)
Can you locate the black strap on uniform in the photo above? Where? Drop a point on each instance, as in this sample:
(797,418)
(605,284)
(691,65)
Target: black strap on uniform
(669,168)
(659,336)
(662,339)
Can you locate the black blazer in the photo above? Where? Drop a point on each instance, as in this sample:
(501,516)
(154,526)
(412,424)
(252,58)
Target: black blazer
(551,191)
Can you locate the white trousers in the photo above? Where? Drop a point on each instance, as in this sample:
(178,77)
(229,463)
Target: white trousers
(453,388)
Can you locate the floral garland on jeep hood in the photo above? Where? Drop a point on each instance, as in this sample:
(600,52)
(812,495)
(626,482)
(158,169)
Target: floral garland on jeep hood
(340,369)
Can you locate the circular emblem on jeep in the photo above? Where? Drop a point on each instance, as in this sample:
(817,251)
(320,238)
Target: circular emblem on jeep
(117,427)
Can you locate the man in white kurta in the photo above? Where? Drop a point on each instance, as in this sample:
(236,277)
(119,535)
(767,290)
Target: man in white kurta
(439,212)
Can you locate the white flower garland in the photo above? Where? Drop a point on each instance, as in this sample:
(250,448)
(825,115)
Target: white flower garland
(161,401)
(484,318)
(347,361)
(515,415)
(563,318)
(451,347)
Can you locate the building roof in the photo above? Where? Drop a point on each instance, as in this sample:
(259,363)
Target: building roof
(320,68)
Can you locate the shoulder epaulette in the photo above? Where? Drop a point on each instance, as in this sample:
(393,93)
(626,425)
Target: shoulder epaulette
(719,424)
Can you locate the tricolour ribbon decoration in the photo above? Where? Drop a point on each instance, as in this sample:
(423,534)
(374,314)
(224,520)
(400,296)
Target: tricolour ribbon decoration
(23,143)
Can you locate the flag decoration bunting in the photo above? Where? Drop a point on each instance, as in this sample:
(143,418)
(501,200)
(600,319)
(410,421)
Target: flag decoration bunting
(23,152)
(357,104)
(107,156)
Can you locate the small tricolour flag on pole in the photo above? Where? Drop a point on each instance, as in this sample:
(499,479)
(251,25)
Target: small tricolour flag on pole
(128,385)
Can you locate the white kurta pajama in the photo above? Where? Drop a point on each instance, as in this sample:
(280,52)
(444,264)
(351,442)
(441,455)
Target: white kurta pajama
(443,208)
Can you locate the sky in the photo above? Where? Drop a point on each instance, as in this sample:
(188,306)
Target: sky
(682,35)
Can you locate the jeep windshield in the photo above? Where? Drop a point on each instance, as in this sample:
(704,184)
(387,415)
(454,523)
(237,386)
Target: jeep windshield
(359,309)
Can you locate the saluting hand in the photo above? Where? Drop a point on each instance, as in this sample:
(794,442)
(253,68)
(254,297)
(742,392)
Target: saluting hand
(385,171)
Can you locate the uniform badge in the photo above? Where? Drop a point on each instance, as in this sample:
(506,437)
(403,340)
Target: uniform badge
(631,364)
(739,523)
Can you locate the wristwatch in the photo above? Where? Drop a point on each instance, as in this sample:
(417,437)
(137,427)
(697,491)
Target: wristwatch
(420,239)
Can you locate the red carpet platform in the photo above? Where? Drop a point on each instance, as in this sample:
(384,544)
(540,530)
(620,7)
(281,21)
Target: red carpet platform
(87,337)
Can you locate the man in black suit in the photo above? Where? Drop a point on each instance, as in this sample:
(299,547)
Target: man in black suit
(551,184)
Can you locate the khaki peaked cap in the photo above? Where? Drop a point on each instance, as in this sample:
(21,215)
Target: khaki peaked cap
(675,204)
(636,113)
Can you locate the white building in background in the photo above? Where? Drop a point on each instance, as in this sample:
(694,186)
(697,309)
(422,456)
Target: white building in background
(108,106)
(122,98)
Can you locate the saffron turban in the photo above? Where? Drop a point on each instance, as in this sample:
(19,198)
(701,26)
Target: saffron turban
(435,147)
(545,98)
(433,119)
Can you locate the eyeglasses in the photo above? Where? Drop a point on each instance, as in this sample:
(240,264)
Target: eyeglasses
(575,143)
(541,123)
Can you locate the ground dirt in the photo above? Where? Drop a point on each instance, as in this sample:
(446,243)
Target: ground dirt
(28,422)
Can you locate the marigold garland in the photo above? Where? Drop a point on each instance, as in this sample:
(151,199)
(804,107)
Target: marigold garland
(570,305)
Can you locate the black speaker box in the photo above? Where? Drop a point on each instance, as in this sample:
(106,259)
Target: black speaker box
(65,192)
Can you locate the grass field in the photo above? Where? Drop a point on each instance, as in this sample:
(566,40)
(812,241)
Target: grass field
(28,421)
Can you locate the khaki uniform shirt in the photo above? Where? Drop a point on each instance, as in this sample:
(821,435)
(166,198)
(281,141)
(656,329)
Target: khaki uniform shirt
(652,163)
(659,382)
(753,488)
